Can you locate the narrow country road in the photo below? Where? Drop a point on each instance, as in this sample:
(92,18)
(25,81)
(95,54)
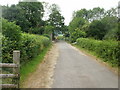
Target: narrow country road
(74,69)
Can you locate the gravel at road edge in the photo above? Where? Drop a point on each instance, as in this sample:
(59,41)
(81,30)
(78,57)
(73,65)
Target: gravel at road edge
(43,76)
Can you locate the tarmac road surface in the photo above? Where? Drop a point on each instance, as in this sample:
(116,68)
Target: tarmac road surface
(74,69)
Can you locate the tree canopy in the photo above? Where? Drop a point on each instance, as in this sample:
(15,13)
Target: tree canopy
(97,23)
(56,20)
(28,15)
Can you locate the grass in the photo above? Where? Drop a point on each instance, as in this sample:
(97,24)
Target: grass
(31,66)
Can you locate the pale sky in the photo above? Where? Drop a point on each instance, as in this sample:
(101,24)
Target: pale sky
(68,6)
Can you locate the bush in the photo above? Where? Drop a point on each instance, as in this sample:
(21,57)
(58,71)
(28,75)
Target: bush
(47,35)
(77,34)
(32,45)
(13,39)
(108,50)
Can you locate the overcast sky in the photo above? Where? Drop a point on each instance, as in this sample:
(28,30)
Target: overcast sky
(68,6)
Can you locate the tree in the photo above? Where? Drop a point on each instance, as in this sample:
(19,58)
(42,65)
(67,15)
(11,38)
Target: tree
(111,27)
(97,13)
(118,32)
(65,30)
(48,30)
(56,20)
(96,22)
(90,15)
(81,13)
(28,15)
(111,12)
(76,23)
(96,30)
(77,34)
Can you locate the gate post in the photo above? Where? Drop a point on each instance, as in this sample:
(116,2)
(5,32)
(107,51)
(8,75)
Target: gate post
(16,60)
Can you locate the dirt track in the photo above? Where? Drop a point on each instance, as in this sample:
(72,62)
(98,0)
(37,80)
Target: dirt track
(42,77)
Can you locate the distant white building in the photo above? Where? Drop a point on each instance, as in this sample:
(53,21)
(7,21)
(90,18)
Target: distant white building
(60,34)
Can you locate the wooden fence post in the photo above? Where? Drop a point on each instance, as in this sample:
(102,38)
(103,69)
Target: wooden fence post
(16,60)
(51,36)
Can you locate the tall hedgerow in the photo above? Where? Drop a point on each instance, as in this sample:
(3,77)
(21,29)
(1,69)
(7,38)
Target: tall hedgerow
(11,38)
(108,50)
(30,45)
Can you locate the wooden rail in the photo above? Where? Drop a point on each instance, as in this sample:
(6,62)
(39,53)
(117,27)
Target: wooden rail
(9,75)
(8,86)
(16,68)
(8,65)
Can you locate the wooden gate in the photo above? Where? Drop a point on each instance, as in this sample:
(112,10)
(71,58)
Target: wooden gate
(16,69)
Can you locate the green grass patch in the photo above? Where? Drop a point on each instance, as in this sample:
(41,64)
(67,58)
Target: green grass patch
(31,66)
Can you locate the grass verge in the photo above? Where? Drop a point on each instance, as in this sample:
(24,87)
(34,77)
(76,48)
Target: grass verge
(31,66)
(111,66)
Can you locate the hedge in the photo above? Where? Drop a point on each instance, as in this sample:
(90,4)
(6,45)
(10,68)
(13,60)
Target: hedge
(32,45)
(108,50)
(13,39)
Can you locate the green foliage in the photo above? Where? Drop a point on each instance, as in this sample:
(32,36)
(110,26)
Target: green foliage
(91,14)
(97,23)
(48,29)
(77,34)
(113,12)
(10,39)
(96,29)
(32,45)
(106,28)
(28,15)
(31,66)
(118,32)
(112,34)
(109,22)
(76,23)
(10,30)
(29,45)
(74,28)
(97,13)
(111,27)
(46,35)
(56,20)
(108,50)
